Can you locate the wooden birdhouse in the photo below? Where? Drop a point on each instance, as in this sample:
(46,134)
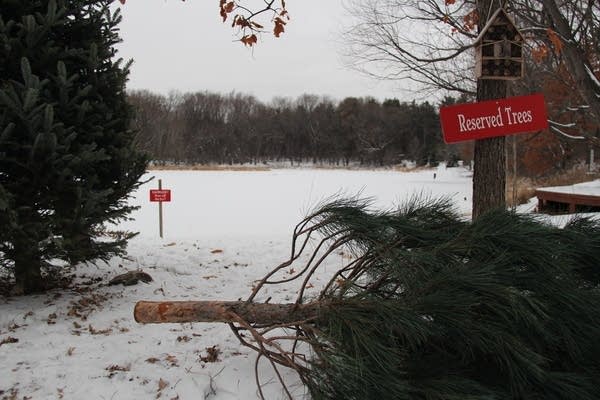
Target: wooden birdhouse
(500,49)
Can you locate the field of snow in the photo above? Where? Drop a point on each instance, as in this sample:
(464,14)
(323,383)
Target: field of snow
(223,231)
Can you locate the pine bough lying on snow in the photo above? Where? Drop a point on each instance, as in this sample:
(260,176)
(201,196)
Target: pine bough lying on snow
(431,307)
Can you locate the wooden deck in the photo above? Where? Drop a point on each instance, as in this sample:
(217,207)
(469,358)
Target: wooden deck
(583,197)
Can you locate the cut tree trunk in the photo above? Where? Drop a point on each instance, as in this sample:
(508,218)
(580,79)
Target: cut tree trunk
(156,312)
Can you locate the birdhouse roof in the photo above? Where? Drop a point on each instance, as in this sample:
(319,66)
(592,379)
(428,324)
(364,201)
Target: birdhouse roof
(491,22)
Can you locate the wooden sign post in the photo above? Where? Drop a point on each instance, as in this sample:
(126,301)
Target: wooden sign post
(159,195)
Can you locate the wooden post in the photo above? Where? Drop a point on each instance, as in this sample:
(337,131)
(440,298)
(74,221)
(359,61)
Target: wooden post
(160,211)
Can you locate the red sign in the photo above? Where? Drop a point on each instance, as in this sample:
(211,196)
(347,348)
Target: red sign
(160,194)
(494,118)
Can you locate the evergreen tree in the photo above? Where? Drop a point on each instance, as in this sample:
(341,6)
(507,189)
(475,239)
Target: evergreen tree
(428,306)
(66,158)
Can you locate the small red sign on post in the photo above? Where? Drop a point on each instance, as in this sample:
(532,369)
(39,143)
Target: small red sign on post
(493,118)
(160,195)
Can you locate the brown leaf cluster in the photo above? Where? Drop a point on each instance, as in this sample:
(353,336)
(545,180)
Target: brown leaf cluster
(8,340)
(279,26)
(470,21)
(557,44)
(170,359)
(83,307)
(212,354)
(114,369)
(225,7)
(249,40)
(94,331)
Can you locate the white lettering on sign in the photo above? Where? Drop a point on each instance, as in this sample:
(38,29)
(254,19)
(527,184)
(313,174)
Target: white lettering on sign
(477,123)
(493,118)
(521,117)
(494,121)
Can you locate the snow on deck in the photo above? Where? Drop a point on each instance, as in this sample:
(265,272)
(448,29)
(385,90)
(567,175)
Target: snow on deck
(586,188)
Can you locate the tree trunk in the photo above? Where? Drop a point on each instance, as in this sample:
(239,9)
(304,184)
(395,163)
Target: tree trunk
(148,312)
(28,266)
(489,175)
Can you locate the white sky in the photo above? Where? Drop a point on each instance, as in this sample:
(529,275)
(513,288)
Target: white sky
(185,46)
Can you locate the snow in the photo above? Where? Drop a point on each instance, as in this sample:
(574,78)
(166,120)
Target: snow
(593,78)
(586,188)
(223,231)
(270,203)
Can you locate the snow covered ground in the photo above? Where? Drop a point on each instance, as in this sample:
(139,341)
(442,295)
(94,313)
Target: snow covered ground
(223,231)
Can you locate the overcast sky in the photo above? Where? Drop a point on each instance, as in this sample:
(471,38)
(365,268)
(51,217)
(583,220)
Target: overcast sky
(185,46)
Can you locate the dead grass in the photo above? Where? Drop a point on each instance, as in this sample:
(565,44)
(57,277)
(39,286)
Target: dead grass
(519,193)
(263,168)
(208,167)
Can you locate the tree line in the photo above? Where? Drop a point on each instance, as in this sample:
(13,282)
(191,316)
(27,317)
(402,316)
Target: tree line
(205,127)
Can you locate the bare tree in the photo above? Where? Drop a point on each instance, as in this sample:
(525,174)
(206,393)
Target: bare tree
(429,44)
(155,125)
(426,43)
(567,33)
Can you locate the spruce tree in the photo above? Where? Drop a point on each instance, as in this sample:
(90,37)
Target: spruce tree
(67,163)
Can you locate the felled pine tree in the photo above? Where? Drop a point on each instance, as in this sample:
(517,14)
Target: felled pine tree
(504,307)
(67,163)
(429,306)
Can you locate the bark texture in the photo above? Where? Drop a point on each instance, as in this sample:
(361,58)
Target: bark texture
(149,312)
(489,175)
(28,274)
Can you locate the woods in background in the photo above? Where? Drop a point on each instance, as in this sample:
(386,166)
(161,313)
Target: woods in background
(212,128)
(205,127)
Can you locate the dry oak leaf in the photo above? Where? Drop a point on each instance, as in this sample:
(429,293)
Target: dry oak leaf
(162,384)
(240,21)
(226,8)
(556,42)
(279,26)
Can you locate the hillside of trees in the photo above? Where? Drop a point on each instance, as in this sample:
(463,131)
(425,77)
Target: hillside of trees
(212,128)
